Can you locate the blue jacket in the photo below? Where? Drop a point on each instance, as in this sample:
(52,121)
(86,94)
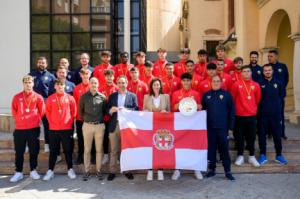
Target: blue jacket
(42,81)
(220,109)
(68,89)
(281,73)
(271,95)
(257,73)
(130,103)
(76,79)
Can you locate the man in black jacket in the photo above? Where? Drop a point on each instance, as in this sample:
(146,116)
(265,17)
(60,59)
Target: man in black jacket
(220,119)
(122,99)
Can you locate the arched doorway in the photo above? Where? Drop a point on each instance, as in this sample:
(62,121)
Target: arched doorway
(278,32)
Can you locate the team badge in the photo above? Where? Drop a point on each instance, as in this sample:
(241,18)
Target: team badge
(225,65)
(46,78)
(140,88)
(240,86)
(252,87)
(163,139)
(175,83)
(68,87)
(208,97)
(205,85)
(224,79)
(196,82)
(279,70)
(275,85)
(258,72)
(263,86)
(221,97)
(69,76)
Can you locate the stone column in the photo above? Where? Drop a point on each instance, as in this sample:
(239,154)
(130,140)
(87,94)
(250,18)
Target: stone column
(296,72)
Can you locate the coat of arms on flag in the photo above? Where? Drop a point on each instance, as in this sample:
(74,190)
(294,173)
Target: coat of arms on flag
(154,140)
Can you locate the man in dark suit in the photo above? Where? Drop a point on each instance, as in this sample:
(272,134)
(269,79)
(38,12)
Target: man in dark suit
(122,99)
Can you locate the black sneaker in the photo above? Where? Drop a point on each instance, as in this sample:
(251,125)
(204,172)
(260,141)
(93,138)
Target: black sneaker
(129,176)
(210,174)
(111,177)
(229,177)
(99,175)
(86,176)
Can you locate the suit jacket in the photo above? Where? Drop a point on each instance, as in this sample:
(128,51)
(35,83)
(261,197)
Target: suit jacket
(164,103)
(130,103)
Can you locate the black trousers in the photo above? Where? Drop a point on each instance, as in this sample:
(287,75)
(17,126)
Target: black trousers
(218,139)
(106,139)
(245,129)
(282,118)
(56,137)
(46,129)
(22,138)
(269,124)
(80,141)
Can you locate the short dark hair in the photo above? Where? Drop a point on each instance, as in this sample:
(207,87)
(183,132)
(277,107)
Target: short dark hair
(148,64)
(238,59)
(185,51)
(109,72)
(134,69)
(246,67)
(254,53)
(59,82)
(202,52)
(267,65)
(211,66)
(189,61)
(42,58)
(220,47)
(140,54)
(105,53)
(222,60)
(124,53)
(151,92)
(274,52)
(186,76)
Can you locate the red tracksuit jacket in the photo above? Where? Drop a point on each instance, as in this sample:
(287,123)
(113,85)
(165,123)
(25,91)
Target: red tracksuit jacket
(99,72)
(31,102)
(140,89)
(60,111)
(246,96)
(79,90)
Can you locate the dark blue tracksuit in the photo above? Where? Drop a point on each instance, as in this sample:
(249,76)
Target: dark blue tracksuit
(257,73)
(42,82)
(76,79)
(269,114)
(68,89)
(281,73)
(220,119)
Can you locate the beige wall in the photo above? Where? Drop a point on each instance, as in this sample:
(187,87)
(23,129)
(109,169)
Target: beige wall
(162,24)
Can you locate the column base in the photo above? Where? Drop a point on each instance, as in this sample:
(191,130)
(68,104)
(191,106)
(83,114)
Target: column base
(294,118)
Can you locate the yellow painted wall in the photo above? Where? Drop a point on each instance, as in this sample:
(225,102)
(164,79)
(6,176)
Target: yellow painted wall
(286,55)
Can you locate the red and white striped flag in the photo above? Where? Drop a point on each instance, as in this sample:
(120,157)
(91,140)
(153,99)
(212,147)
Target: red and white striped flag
(163,140)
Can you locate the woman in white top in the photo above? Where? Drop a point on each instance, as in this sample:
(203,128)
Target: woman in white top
(156,101)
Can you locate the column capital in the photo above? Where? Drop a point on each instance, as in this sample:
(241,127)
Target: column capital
(295,36)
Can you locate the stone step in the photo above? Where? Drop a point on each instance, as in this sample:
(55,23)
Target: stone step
(7,168)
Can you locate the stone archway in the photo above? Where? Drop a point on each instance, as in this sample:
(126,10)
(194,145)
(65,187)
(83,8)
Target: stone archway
(277,37)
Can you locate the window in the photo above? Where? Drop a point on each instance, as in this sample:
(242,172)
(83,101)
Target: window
(67,28)
(211,48)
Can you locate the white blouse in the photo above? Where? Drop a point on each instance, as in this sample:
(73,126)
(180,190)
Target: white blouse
(156,101)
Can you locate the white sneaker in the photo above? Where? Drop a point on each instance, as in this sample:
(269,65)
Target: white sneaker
(34,175)
(198,175)
(252,160)
(176,175)
(58,159)
(26,149)
(49,175)
(239,160)
(71,174)
(46,148)
(149,175)
(16,177)
(105,159)
(160,175)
